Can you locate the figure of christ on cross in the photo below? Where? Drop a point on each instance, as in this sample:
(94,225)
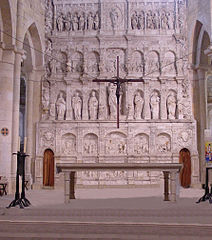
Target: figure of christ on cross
(118,81)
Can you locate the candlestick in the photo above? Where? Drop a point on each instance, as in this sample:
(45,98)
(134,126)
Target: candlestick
(19,140)
(25,143)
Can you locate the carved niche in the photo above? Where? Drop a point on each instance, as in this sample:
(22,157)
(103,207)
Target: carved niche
(68,144)
(116,143)
(141,144)
(93,60)
(169,67)
(90,145)
(171,103)
(163,143)
(137,63)
(152,64)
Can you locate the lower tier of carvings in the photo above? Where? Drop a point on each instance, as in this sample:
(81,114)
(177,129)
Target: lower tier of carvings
(102,142)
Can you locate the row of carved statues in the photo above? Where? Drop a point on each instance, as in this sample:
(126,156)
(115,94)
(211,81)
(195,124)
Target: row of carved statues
(153,20)
(78,21)
(143,19)
(96,110)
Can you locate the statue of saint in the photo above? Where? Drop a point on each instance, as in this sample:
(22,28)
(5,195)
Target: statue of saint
(112,101)
(155,105)
(77,106)
(171,106)
(93,106)
(60,23)
(138,103)
(60,107)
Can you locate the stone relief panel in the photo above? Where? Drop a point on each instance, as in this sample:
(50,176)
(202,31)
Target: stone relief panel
(116,143)
(141,144)
(184,138)
(169,67)
(137,63)
(93,63)
(77,63)
(163,141)
(152,64)
(90,145)
(111,62)
(68,144)
(47,139)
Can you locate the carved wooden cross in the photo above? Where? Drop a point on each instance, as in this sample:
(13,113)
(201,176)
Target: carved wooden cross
(118,81)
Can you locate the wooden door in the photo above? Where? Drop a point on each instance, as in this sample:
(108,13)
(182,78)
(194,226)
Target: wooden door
(48,168)
(185,173)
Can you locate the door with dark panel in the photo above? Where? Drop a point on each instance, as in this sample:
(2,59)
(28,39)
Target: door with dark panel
(185,173)
(48,168)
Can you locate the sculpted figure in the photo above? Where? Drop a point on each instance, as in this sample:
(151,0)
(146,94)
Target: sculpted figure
(96,21)
(68,22)
(155,105)
(60,23)
(90,21)
(171,106)
(45,99)
(77,106)
(114,18)
(138,103)
(141,21)
(134,21)
(75,22)
(82,21)
(53,67)
(60,107)
(93,106)
(112,101)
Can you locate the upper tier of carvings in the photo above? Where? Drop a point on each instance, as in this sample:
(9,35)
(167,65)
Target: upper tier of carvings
(72,16)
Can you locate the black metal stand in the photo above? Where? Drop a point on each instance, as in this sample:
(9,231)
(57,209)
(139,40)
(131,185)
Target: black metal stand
(207,195)
(21,201)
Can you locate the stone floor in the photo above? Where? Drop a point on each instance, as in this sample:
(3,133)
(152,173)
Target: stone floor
(107,214)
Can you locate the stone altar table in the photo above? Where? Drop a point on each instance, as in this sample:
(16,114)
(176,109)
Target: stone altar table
(168,169)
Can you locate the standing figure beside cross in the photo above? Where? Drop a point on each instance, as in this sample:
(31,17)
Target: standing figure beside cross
(118,81)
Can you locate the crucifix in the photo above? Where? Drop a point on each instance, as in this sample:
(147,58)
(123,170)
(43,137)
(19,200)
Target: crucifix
(118,81)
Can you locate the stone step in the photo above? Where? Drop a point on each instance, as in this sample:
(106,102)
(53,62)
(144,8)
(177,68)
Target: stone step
(96,230)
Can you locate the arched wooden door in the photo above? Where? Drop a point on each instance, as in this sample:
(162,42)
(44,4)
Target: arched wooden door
(48,168)
(185,173)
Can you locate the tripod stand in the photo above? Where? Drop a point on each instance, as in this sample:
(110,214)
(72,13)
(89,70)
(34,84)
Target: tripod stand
(21,201)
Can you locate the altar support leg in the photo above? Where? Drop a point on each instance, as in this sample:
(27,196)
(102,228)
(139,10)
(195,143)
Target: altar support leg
(173,177)
(166,185)
(66,186)
(72,185)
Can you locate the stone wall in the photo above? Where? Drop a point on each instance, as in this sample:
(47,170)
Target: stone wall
(78,121)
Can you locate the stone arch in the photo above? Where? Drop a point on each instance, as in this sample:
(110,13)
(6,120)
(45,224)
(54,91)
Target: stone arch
(68,143)
(185,173)
(90,144)
(163,143)
(196,33)
(204,45)
(93,62)
(169,64)
(48,168)
(137,62)
(6,25)
(141,144)
(77,62)
(152,63)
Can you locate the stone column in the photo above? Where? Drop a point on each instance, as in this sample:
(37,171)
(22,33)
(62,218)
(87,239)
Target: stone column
(147,114)
(69,111)
(16,85)
(29,131)
(173,175)
(163,107)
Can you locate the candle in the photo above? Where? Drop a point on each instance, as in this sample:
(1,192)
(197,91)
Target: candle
(25,143)
(19,144)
